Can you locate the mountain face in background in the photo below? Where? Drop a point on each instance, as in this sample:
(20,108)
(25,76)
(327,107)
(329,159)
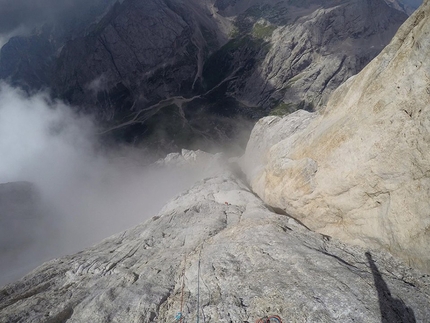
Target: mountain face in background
(407,7)
(174,72)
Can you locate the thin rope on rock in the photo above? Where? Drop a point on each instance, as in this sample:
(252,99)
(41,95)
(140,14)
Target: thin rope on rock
(180,317)
(198,287)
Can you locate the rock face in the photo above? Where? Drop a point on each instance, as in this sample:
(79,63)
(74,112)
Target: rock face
(326,44)
(28,61)
(173,71)
(230,259)
(360,170)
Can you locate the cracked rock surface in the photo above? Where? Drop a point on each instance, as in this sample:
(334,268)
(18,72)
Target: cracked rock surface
(359,171)
(240,260)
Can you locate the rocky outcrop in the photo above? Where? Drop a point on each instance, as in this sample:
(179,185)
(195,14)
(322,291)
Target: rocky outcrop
(360,170)
(229,258)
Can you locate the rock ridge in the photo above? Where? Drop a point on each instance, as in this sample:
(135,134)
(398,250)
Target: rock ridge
(240,260)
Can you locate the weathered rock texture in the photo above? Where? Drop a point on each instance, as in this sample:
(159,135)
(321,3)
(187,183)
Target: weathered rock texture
(241,262)
(360,170)
(315,48)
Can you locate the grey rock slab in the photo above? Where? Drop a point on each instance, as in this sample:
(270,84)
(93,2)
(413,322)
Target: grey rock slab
(240,260)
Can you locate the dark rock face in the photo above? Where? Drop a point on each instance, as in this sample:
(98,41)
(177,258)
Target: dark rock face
(407,6)
(26,62)
(202,62)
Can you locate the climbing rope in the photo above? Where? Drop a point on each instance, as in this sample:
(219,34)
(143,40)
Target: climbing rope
(179,317)
(270,319)
(198,288)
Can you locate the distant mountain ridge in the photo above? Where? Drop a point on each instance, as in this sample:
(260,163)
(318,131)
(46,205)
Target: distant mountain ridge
(168,72)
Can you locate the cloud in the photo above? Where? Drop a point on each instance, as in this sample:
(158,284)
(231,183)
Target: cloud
(98,84)
(88,192)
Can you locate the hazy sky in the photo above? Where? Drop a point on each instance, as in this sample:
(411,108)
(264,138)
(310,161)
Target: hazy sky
(91,194)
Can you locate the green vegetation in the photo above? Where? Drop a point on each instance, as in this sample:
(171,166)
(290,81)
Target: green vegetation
(262,31)
(286,108)
(283,108)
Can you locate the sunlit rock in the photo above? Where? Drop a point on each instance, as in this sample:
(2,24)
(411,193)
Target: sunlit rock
(360,170)
(229,258)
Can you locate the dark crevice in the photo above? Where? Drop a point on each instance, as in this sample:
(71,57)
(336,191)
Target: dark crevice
(105,45)
(280,211)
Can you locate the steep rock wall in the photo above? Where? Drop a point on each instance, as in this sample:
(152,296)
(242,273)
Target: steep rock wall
(360,170)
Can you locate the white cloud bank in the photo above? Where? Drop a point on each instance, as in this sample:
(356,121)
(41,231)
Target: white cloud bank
(93,192)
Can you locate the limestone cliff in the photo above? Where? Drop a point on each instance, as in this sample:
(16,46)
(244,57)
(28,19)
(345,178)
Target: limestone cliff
(360,170)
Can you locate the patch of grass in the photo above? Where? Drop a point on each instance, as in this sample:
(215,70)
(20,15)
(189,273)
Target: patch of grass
(262,31)
(283,108)
(286,108)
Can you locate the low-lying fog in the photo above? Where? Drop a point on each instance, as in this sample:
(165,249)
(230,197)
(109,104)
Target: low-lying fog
(84,193)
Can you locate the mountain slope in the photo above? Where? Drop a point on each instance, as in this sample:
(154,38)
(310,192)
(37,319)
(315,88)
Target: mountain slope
(359,171)
(240,262)
(169,71)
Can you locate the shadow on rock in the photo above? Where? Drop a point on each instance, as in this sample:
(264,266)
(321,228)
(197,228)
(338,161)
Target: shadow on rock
(392,309)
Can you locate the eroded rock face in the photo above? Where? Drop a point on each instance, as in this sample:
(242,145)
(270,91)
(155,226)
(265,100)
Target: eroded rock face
(317,48)
(240,260)
(360,170)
